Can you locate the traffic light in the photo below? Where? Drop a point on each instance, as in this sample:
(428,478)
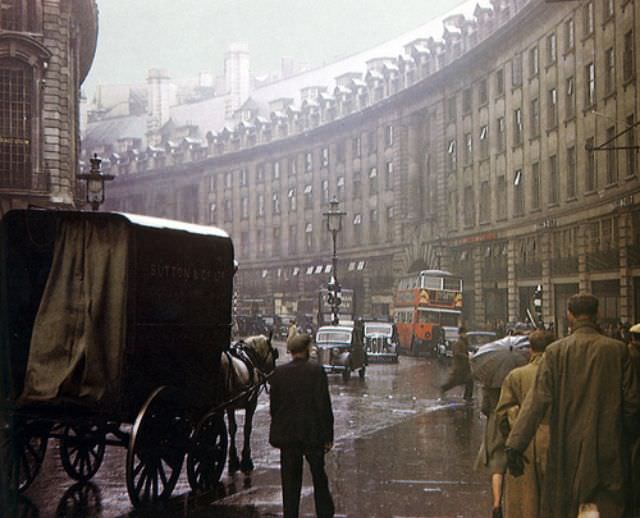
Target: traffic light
(537,304)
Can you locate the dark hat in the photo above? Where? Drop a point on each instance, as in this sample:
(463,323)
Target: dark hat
(299,343)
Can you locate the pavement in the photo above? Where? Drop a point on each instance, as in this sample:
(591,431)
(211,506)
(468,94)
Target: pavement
(399,452)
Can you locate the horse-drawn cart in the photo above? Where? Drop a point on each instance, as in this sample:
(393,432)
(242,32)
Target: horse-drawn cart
(112,329)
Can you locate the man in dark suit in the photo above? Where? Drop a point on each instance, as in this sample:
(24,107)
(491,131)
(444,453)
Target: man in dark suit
(302,426)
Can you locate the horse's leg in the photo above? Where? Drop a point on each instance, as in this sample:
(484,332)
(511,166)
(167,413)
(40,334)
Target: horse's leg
(234,461)
(247,463)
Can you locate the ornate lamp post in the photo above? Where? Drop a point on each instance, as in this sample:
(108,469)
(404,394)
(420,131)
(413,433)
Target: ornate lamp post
(95,183)
(334,225)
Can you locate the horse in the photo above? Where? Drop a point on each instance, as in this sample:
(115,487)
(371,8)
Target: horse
(245,367)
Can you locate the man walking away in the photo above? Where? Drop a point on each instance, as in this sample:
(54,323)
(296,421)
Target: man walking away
(292,331)
(590,390)
(522,495)
(461,369)
(301,426)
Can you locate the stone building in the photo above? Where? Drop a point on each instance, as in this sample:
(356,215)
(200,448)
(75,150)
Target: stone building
(498,142)
(46,50)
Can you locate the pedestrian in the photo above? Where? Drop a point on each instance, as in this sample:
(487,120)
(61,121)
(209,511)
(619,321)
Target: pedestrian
(301,426)
(492,451)
(460,373)
(293,330)
(491,454)
(588,388)
(634,351)
(522,495)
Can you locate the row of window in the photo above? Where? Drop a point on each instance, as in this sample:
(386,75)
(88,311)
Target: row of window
(356,177)
(314,239)
(551,59)
(534,113)
(260,172)
(535,181)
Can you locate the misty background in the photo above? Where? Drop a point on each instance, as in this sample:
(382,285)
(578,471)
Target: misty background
(187,37)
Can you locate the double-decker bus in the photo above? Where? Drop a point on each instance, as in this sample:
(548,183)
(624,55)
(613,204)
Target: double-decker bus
(427,309)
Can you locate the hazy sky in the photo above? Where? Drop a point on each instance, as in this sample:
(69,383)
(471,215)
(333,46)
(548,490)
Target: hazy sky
(190,36)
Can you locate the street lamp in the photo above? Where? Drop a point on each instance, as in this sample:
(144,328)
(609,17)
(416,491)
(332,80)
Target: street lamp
(95,183)
(334,225)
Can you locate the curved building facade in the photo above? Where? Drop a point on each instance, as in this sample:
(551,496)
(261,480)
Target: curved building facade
(504,150)
(46,50)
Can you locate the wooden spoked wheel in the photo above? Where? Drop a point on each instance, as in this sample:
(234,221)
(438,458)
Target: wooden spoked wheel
(206,459)
(82,450)
(23,449)
(157,447)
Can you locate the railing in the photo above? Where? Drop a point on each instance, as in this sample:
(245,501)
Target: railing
(495,270)
(603,260)
(527,270)
(564,265)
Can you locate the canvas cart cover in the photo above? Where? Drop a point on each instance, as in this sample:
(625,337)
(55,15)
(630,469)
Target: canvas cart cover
(103,308)
(78,335)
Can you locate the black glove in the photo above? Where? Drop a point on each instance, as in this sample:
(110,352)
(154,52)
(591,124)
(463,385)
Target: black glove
(515,461)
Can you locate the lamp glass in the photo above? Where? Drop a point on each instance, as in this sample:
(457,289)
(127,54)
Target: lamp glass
(95,188)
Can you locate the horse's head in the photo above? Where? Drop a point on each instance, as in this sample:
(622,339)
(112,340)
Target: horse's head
(265,354)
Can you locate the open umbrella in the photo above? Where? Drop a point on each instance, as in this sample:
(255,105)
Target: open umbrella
(491,363)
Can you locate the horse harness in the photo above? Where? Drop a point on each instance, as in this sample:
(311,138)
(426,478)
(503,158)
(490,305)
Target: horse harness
(249,358)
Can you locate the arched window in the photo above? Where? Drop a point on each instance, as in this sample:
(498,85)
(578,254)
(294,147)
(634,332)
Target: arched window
(16,114)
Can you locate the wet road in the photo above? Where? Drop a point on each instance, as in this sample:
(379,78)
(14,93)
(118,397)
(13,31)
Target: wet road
(399,452)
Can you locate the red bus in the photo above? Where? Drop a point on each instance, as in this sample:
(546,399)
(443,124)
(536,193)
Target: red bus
(427,309)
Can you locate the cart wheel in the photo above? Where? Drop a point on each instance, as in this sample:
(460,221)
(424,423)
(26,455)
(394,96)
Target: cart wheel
(156,448)
(82,450)
(346,373)
(23,450)
(361,372)
(205,462)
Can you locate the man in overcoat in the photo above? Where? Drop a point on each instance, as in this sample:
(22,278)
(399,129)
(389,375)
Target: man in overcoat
(461,369)
(522,495)
(634,352)
(586,384)
(301,426)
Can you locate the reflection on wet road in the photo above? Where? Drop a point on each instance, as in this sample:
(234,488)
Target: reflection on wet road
(398,452)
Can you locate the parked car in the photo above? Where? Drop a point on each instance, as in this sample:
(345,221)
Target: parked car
(475,338)
(478,338)
(339,351)
(381,341)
